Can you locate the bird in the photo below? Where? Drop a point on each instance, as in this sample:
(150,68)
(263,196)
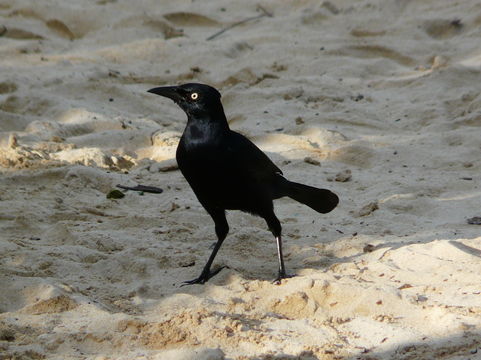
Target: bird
(227,171)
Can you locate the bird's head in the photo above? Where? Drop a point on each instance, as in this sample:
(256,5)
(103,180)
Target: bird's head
(197,100)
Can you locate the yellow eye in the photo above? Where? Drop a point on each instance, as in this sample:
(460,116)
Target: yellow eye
(194,96)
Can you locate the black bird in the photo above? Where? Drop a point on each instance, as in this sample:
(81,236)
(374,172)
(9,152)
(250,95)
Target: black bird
(228,172)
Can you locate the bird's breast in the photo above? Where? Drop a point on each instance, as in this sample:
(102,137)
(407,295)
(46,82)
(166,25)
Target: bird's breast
(196,154)
(196,132)
(200,133)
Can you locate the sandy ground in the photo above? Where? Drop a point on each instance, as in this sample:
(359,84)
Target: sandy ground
(381,97)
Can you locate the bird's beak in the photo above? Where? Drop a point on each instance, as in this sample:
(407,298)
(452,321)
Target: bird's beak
(170,92)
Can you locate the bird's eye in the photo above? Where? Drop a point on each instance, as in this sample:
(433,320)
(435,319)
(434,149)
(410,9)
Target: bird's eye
(194,96)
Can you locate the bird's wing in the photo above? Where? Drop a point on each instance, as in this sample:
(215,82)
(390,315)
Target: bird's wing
(245,155)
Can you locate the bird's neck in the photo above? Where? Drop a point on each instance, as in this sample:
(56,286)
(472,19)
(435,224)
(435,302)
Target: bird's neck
(218,121)
(205,130)
(213,114)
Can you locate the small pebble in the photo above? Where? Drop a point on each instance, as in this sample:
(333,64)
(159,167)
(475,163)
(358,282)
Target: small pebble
(311,161)
(115,194)
(368,209)
(174,207)
(57,139)
(421,298)
(12,141)
(343,176)
(368,248)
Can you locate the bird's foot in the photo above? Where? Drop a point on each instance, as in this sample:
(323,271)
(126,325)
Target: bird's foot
(278,280)
(203,278)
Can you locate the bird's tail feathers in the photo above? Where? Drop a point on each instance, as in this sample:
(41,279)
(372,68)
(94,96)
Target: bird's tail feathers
(321,200)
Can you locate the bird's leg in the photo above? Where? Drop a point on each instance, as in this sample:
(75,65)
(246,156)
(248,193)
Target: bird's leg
(275,227)
(282,270)
(221,230)
(206,274)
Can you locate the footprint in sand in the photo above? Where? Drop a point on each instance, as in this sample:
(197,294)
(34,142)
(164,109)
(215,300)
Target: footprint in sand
(7,87)
(55,25)
(25,106)
(190,19)
(357,155)
(375,51)
(70,27)
(60,29)
(19,34)
(442,28)
(152,22)
(25,13)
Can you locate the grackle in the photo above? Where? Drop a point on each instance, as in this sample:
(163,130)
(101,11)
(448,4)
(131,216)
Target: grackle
(228,172)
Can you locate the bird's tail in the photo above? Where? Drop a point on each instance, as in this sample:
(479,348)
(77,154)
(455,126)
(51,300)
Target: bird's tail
(321,200)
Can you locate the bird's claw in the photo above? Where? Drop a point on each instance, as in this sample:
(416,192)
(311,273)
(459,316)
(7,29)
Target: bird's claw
(203,278)
(199,280)
(278,280)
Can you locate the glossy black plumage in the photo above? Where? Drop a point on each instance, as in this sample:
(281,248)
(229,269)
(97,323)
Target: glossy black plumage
(228,172)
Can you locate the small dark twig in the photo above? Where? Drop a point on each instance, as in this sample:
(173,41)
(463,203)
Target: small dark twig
(3,31)
(143,188)
(474,220)
(259,7)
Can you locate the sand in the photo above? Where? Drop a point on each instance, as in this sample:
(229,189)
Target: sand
(376,100)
